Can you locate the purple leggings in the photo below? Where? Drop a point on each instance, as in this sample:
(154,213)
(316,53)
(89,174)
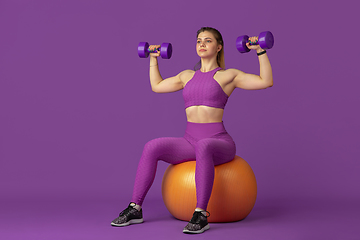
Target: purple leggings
(208,143)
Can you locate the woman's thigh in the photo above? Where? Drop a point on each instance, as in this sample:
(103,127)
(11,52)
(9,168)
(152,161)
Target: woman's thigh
(171,149)
(218,150)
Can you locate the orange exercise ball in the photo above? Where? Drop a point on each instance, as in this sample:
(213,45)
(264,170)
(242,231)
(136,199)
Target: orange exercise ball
(233,195)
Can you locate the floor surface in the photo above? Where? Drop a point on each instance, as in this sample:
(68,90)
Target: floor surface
(90,219)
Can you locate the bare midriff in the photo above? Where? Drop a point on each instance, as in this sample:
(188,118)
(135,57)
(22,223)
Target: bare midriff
(204,114)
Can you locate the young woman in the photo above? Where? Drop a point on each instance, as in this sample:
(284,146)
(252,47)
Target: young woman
(205,92)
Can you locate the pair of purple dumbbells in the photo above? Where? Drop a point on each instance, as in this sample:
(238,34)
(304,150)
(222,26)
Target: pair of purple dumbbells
(265,40)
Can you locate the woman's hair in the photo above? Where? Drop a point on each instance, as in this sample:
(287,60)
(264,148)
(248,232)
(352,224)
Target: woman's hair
(220,57)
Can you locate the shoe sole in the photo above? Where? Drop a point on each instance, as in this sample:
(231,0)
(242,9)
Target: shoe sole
(132,221)
(207,227)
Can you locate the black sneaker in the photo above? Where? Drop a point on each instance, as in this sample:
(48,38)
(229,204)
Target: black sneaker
(129,216)
(198,223)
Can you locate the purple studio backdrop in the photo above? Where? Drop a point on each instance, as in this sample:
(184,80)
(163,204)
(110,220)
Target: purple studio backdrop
(76,106)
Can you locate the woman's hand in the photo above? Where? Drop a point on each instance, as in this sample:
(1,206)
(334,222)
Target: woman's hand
(254,47)
(152,48)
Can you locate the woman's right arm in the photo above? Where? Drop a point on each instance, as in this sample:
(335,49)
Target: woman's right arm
(158,84)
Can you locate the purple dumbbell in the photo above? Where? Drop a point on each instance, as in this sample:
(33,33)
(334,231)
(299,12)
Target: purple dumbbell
(265,40)
(165,50)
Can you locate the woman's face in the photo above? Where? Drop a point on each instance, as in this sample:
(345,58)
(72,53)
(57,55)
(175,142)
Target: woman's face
(206,45)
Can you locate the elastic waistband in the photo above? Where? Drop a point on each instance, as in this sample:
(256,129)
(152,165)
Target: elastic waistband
(204,130)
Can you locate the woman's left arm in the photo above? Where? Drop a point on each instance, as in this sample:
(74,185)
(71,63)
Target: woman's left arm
(252,81)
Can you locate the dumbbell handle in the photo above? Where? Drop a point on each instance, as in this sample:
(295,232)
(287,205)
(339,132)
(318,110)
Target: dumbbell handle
(153,51)
(253,43)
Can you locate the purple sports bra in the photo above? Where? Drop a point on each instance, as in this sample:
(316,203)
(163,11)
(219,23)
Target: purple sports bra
(203,89)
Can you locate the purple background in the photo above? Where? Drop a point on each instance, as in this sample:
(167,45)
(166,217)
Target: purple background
(76,109)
